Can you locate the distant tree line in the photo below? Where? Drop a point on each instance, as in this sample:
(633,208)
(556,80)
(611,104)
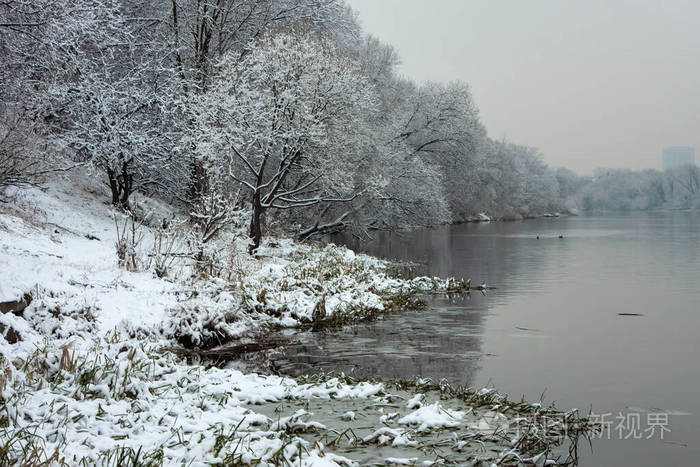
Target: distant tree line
(630,190)
(282,107)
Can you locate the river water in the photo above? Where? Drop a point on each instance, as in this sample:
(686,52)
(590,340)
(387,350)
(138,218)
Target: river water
(553,326)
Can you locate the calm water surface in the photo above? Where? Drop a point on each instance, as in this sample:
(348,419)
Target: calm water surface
(553,325)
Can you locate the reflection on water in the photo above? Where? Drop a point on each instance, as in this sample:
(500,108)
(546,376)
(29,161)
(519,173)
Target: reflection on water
(398,346)
(554,322)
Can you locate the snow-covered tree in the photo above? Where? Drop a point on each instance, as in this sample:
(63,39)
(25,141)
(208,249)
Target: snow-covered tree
(123,127)
(443,126)
(273,119)
(21,162)
(52,51)
(202,32)
(684,184)
(104,95)
(426,137)
(515,180)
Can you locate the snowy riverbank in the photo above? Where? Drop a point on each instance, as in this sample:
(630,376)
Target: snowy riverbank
(84,377)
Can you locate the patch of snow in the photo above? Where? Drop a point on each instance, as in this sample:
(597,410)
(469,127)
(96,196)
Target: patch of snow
(415,402)
(401,460)
(433,416)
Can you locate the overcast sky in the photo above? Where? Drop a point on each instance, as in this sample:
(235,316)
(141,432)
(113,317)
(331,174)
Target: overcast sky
(591,83)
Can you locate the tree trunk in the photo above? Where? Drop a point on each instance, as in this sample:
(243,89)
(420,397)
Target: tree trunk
(127,181)
(121,186)
(199,183)
(114,186)
(255,224)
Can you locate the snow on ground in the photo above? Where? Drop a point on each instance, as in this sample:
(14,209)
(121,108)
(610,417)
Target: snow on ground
(124,397)
(83,377)
(44,251)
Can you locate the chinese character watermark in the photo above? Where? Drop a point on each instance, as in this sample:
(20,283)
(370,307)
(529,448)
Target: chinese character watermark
(631,425)
(621,425)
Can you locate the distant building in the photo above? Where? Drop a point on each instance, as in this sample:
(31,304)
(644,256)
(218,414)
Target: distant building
(675,156)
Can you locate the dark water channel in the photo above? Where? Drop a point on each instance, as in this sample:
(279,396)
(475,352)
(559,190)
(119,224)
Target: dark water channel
(553,325)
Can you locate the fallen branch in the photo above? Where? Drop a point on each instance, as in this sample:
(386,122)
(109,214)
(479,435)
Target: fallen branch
(331,227)
(89,236)
(229,352)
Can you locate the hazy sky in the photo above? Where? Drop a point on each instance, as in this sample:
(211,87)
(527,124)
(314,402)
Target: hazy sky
(591,83)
